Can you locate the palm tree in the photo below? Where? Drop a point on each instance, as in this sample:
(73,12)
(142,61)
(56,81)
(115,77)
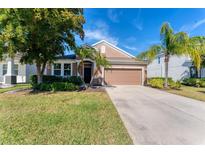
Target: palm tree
(83,52)
(171,44)
(197,51)
(89,52)
(100,61)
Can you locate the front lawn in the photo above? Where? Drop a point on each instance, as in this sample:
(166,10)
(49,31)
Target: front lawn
(16,87)
(60,118)
(191,92)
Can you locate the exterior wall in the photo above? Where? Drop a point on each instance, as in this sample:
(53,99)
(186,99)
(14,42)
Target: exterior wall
(62,61)
(1,73)
(30,70)
(203,73)
(74,69)
(110,52)
(20,78)
(178,68)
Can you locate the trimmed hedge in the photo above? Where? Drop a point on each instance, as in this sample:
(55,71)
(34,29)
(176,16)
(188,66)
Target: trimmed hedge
(158,82)
(56,86)
(195,82)
(51,79)
(56,83)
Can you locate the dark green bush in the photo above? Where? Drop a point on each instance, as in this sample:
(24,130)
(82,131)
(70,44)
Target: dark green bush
(76,80)
(195,82)
(57,86)
(33,80)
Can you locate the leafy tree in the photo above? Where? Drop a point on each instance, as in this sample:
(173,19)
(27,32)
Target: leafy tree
(197,51)
(40,34)
(171,44)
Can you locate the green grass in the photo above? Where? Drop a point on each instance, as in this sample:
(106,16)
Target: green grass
(16,87)
(60,118)
(191,92)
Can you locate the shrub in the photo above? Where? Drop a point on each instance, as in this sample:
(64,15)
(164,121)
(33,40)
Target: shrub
(202,83)
(56,86)
(49,79)
(33,80)
(156,83)
(76,80)
(175,85)
(196,82)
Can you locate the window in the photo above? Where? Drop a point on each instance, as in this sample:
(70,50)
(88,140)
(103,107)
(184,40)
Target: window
(158,60)
(67,69)
(4,69)
(57,69)
(15,69)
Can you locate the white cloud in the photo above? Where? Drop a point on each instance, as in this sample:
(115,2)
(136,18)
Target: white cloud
(114,15)
(131,47)
(100,31)
(191,27)
(137,22)
(131,39)
(100,35)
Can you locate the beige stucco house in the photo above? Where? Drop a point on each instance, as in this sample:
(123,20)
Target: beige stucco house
(125,68)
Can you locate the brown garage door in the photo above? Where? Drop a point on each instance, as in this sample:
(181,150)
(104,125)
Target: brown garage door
(115,76)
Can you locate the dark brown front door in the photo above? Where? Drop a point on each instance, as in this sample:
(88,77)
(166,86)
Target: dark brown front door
(87,75)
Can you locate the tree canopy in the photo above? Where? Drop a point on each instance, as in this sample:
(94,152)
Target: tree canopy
(196,51)
(171,44)
(39,34)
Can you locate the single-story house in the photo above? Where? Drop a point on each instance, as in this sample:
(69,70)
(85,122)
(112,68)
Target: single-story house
(125,68)
(180,67)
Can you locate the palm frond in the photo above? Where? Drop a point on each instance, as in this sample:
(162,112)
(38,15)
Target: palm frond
(151,53)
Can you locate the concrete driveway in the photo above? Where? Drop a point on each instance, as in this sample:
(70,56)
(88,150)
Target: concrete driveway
(156,117)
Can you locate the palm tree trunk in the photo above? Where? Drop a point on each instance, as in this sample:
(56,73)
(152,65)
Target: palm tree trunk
(166,60)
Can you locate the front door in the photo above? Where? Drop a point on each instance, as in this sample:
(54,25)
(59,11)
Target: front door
(87,75)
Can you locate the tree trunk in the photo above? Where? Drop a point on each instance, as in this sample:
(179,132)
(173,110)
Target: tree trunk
(39,75)
(40,71)
(199,73)
(166,60)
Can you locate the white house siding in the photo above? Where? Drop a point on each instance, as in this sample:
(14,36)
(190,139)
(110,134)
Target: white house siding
(203,73)
(178,67)
(21,77)
(1,73)
(30,70)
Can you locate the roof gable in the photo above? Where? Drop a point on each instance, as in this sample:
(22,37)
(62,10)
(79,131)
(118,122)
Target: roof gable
(114,47)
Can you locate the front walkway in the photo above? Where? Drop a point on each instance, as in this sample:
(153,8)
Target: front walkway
(156,117)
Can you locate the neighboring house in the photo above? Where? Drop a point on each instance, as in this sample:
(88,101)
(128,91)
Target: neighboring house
(125,69)
(180,67)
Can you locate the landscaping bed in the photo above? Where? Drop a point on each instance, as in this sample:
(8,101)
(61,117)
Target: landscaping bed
(158,82)
(191,87)
(57,83)
(60,118)
(191,92)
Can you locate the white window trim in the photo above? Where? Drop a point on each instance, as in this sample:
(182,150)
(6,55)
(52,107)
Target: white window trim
(4,69)
(7,68)
(71,65)
(62,68)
